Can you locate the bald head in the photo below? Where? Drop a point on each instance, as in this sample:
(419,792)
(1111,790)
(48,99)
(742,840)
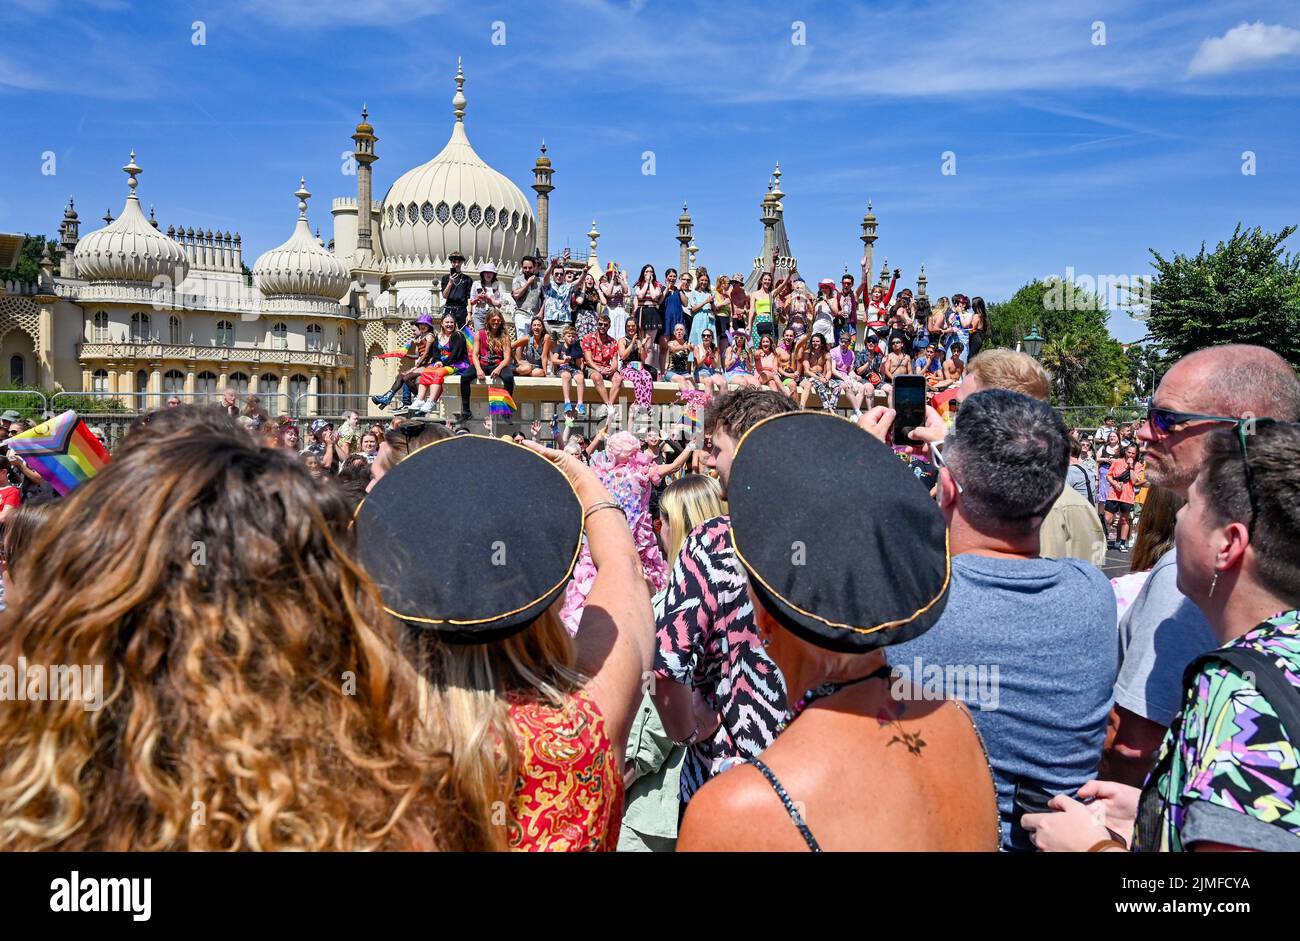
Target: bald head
(1234,381)
(1237,380)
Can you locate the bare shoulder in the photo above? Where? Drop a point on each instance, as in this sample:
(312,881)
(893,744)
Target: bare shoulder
(735,812)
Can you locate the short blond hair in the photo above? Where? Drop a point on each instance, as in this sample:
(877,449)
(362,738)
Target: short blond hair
(1010,370)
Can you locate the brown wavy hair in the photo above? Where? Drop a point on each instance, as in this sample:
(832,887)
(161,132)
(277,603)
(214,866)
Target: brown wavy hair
(254,695)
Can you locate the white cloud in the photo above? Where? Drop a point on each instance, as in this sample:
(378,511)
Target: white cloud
(1244,46)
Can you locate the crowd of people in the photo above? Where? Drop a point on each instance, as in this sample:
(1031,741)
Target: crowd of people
(401,634)
(702,333)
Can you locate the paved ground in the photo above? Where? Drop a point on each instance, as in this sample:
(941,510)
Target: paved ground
(1117,563)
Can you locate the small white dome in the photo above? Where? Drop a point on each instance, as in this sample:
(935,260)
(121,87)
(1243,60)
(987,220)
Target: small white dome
(456,202)
(129,248)
(301,265)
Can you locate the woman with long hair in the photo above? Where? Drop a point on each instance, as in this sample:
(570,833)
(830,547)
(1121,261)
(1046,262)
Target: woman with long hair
(980,326)
(653,761)
(701,307)
(708,364)
(1124,479)
(449,356)
(633,353)
(494,353)
(613,291)
(1155,537)
(1225,777)
(586,302)
(740,361)
(533,352)
(818,376)
(488,295)
(253,695)
(533,722)
(647,300)
(762,316)
(767,365)
(1107,454)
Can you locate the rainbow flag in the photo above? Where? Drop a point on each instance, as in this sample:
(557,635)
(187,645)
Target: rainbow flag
(471,338)
(500,401)
(62,450)
(409,350)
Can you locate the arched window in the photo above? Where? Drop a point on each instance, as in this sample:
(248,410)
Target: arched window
(342,338)
(280,336)
(140,328)
(174,330)
(100,333)
(341,386)
(225,333)
(237,381)
(268,384)
(313,336)
(17,370)
(173,382)
(99,382)
(205,383)
(142,389)
(298,386)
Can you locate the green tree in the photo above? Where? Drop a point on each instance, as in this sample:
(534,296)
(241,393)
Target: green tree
(1147,365)
(1245,291)
(1087,364)
(29,260)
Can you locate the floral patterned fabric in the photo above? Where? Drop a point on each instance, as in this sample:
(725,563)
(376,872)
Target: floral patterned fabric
(569,795)
(1230,749)
(629,485)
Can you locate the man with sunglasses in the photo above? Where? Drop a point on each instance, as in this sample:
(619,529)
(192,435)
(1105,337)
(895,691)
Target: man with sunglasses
(1163,631)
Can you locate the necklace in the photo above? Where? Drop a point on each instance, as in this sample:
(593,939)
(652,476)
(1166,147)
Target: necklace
(830,689)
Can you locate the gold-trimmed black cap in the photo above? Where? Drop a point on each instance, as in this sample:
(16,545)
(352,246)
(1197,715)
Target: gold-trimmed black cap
(842,544)
(473,537)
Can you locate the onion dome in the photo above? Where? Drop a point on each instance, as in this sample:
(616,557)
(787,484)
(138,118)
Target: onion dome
(129,248)
(302,265)
(456,203)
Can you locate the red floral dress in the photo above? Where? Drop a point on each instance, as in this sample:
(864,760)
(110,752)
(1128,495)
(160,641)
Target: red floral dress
(569,795)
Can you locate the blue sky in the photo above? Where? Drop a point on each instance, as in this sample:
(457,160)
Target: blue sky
(1068,154)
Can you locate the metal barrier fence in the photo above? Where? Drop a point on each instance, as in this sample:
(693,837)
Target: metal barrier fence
(1091,417)
(28,403)
(100,404)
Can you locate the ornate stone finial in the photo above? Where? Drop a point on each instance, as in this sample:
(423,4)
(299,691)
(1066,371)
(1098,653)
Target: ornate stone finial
(303,195)
(364,113)
(152,221)
(593,235)
(459,101)
(132,170)
(108,214)
(70,212)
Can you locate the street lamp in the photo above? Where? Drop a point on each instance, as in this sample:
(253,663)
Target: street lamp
(1034,343)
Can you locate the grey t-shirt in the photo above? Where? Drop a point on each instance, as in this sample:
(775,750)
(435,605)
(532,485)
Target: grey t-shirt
(1083,481)
(1160,634)
(1035,640)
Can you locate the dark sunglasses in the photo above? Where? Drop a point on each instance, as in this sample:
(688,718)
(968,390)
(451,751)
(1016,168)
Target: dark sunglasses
(1165,420)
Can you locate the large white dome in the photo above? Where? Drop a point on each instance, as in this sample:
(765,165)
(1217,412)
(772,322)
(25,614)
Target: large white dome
(301,266)
(129,248)
(455,202)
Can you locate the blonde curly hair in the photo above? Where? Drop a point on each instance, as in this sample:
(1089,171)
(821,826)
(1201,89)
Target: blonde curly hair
(255,693)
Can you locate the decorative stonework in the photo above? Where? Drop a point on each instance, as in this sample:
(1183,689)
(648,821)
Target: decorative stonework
(21,313)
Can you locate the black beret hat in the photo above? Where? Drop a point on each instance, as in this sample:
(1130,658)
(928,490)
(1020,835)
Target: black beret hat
(473,537)
(853,558)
